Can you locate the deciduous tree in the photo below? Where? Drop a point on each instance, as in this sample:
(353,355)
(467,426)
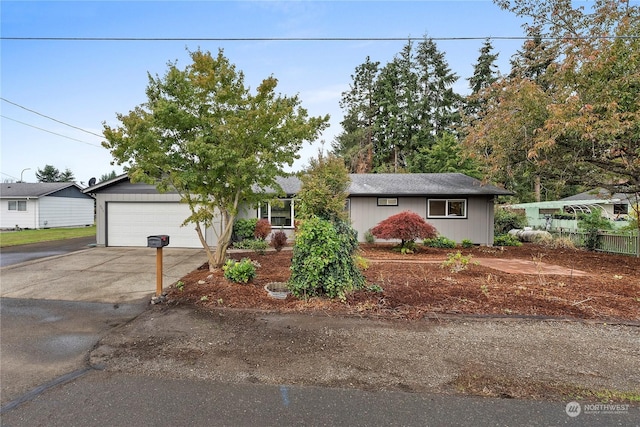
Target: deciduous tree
(324,189)
(405,226)
(204,135)
(593,107)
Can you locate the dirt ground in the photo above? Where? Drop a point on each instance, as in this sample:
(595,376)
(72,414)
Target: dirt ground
(481,331)
(591,286)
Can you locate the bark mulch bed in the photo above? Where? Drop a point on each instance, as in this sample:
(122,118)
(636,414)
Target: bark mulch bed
(417,286)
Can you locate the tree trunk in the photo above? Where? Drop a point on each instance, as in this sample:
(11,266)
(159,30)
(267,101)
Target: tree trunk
(537,188)
(205,245)
(224,240)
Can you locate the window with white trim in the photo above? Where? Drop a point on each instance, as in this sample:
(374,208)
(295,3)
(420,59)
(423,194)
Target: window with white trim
(18,205)
(279,214)
(447,208)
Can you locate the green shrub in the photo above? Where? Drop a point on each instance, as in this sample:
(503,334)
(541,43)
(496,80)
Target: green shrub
(239,271)
(439,242)
(258,246)
(456,262)
(507,219)
(466,243)
(323,259)
(408,247)
(368,237)
(244,229)
(506,240)
(591,224)
(244,244)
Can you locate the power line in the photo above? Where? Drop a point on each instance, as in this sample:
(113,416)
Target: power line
(10,176)
(48,131)
(302,39)
(51,118)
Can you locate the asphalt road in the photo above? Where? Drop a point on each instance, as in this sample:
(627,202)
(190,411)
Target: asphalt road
(42,340)
(102,399)
(11,255)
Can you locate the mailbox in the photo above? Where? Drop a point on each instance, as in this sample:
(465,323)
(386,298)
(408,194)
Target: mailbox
(158,241)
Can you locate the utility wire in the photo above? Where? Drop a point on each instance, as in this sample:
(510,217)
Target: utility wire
(10,176)
(302,39)
(45,130)
(51,118)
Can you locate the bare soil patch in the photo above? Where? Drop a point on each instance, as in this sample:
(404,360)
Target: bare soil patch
(480,331)
(591,286)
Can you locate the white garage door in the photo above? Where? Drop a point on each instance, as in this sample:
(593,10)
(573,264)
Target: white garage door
(129,224)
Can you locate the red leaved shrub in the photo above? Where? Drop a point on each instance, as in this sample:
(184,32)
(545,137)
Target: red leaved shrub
(278,240)
(263,228)
(406,226)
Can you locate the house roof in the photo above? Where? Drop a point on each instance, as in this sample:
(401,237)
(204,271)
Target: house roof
(420,184)
(416,184)
(597,194)
(118,179)
(37,189)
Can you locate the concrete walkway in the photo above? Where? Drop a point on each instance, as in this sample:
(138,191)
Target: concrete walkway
(107,275)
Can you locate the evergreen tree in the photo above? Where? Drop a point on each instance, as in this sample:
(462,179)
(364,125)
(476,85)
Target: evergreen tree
(396,123)
(67,176)
(394,111)
(48,174)
(439,106)
(355,143)
(108,176)
(445,155)
(535,60)
(485,73)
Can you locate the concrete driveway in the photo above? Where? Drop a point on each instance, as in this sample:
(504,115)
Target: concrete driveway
(107,275)
(53,310)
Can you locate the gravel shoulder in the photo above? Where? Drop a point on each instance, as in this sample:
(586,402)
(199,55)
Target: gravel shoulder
(504,357)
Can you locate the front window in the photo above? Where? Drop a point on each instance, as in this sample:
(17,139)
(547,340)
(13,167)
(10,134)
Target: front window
(447,208)
(18,205)
(279,214)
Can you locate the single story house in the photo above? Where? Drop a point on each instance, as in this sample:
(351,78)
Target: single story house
(45,205)
(460,207)
(562,214)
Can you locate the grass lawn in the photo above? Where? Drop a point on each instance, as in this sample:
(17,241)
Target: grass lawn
(13,238)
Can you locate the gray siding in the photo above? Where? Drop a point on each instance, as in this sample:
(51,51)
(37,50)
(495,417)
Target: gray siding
(477,227)
(366,214)
(70,192)
(103,198)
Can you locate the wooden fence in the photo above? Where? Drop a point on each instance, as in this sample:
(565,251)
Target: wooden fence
(615,243)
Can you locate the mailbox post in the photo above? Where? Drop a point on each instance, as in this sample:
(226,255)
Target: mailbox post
(158,242)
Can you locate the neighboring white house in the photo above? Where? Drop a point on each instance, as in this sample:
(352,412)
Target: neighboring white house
(460,207)
(563,213)
(45,205)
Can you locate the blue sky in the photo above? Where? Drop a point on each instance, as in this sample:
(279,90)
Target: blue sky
(85,83)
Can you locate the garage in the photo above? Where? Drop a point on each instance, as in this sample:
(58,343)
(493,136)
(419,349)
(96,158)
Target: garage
(129,224)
